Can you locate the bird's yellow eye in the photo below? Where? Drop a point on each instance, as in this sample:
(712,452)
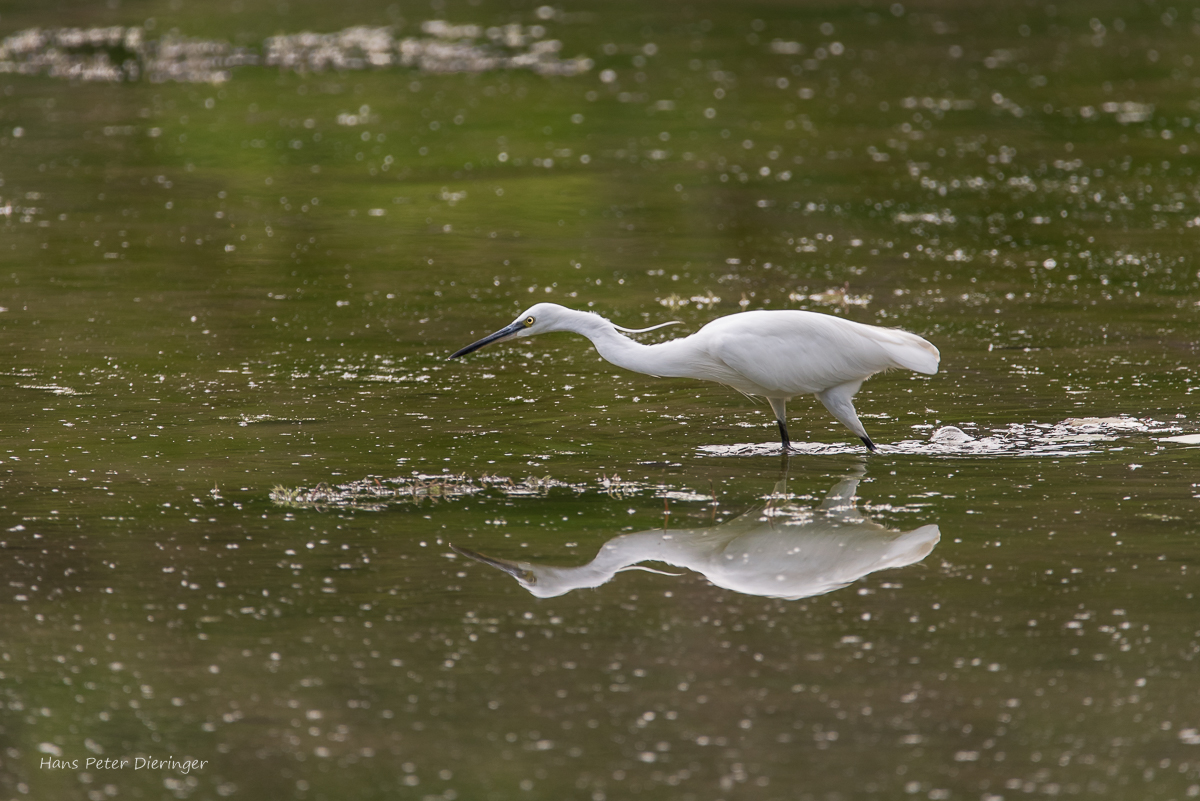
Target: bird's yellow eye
(528,321)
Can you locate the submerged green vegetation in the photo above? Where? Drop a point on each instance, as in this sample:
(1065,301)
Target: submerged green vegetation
(250,515)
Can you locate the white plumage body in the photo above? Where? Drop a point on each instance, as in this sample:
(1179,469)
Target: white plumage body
(776,355)
(781,354)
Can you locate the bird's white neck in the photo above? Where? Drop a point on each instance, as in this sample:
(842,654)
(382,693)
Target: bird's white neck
(619,349)
(619,554)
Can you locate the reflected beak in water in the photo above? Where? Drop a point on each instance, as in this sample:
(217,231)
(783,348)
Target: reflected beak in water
(503,333)
(514,569)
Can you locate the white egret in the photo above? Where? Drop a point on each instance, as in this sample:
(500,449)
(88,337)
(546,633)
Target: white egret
(771,354)
(781,551)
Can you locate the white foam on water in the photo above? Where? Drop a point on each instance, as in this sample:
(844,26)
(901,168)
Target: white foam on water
(1186,439)
(1075,436)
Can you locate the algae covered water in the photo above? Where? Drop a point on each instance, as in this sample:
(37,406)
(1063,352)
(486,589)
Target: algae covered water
(259,538)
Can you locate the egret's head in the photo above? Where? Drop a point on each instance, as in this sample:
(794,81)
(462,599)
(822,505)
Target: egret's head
(543,581)
(537,319)
(525,573)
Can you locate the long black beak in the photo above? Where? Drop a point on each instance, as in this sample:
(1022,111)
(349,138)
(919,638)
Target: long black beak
(511,568)
(503,333)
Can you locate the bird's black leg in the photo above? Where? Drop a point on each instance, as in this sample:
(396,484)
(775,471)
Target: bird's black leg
(870,445)
(787,442)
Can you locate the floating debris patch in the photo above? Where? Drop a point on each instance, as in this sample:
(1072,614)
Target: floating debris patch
(774,449)
(376,494)
(943,217)
(15,210)
(115,54)
(1185,439)
(118,54)
(446,49)
(616,487)
(835,296)
(1074,436)
(259,419)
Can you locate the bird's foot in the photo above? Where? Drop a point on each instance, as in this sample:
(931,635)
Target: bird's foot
(870,445)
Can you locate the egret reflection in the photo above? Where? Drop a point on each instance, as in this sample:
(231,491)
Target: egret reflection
(780,550)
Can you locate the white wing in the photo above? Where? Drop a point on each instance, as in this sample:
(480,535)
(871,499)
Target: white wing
(786,353)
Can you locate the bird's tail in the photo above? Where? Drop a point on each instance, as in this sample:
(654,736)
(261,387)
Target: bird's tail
(913,353)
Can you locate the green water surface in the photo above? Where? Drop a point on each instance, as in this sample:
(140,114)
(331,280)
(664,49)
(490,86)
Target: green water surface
(213,291)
